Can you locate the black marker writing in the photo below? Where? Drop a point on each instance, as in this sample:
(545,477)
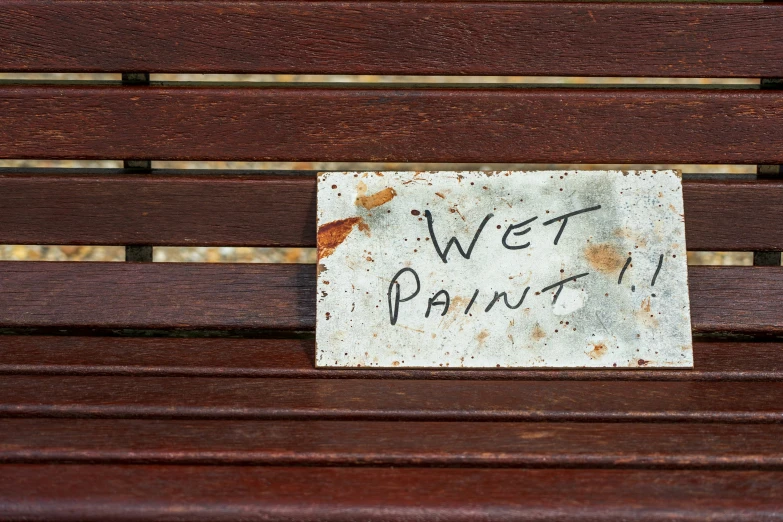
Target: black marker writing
(432,302)
(565,217)
(657,270)
(561,283)
(453,240)
(622,272)
(394,287)
(472,300)
(505,300)
(523,232)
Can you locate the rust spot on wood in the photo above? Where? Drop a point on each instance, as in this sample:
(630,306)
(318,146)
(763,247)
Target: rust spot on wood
(604,257)
(377,199)
(331,235)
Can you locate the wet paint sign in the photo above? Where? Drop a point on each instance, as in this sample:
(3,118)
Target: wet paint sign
(563,269)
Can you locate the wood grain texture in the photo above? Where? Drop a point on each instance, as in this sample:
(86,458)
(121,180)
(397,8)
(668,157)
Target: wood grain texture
(733,215)
(745,300)
(420,444)
(364,399)
(157,295)
(175,209)
(383,124)
(281,297)
(378,37)
(75,355)
(139,492)
(265,209)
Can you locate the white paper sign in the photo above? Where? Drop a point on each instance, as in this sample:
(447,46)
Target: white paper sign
(501,270)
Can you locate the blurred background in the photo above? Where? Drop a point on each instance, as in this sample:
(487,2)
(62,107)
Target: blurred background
(307,255)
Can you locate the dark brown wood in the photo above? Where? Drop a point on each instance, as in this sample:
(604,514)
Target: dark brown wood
(74,355)
(247,296)
(139,492)
(264,209)
(390,38)
(351,443)
(735,299)
(363,399)
(383,124)
(165,208)
(157,295)
(725,215)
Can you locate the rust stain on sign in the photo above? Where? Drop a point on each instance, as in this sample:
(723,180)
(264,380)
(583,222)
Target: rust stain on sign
(604,257)
(538,333)
(506,269)
(332,234)
(599,350)
(377,199)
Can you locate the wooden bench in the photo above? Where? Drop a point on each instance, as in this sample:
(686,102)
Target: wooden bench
(188,391)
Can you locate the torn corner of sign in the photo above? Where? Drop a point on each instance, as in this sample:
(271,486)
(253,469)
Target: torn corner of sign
(562,269)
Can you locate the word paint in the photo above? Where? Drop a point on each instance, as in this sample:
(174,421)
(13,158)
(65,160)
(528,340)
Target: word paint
(566,269)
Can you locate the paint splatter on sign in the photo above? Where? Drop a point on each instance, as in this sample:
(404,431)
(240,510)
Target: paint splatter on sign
(559,269)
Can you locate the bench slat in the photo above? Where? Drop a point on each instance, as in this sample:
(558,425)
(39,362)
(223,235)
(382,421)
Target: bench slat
(416,37)
(69,355)
(268,296)
(370,399)
(177,209)
(382,124)
(157,295)
(350,443)
(144,492)
(732,215)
